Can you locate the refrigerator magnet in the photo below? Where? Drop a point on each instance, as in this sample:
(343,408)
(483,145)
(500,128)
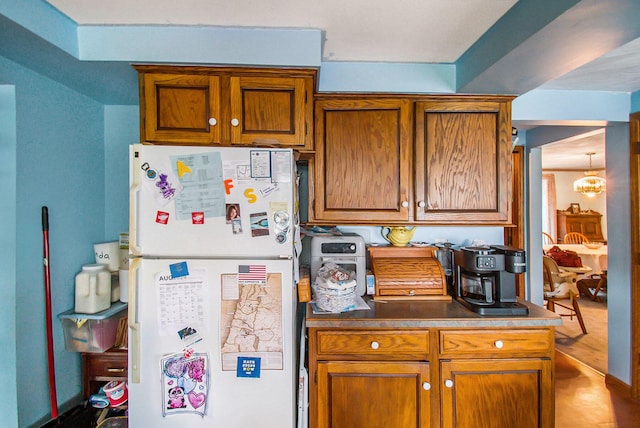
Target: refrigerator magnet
(281,237)
(197,217)
(259,224)
(162,217)
(164,185)
(189,336)
(267,190)
(248,367)
(179,269)
(233,212)
(236,226)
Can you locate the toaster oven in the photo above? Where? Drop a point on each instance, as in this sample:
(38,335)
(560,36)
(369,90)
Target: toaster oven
(347,251)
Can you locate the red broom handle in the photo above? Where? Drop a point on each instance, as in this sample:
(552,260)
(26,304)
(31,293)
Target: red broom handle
(47,290)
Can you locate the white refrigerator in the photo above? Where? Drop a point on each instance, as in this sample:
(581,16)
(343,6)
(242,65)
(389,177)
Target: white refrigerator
(212,296)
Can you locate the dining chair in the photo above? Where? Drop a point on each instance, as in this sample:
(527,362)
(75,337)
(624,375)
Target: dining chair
(574,238)
(560,286)
(547,239)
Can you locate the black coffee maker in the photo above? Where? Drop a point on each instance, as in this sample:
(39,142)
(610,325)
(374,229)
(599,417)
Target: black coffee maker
(485,279)
(444,254)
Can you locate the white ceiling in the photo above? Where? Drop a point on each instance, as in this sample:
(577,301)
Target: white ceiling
(571,153)
(421,31)
(424,31)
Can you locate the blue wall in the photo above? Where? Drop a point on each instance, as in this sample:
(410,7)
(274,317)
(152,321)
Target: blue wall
(635,101)
(59,163)
(8,406)
(619,257)
(122,128)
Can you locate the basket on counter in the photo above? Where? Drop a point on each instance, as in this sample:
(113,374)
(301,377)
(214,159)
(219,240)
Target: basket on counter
(335,299)
(334,289)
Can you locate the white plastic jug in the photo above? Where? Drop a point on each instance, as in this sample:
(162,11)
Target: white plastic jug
(93,289)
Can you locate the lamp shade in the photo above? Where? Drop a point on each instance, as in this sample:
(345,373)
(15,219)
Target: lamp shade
(591,184)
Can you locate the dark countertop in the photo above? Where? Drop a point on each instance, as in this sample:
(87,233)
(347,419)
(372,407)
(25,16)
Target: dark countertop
(427,314)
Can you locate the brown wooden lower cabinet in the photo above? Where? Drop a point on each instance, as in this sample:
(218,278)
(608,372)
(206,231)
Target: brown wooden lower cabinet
(373,394)
(496,393)
(101,368)
(435,377)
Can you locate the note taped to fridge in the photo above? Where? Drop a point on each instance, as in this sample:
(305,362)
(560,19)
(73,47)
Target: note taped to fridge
(182,301)
(202,183)
(260,164)
(185,383)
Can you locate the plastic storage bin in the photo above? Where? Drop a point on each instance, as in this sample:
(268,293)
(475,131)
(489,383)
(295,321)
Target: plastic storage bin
(94,332)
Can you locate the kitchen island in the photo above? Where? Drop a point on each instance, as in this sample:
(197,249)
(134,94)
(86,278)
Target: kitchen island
(430,364)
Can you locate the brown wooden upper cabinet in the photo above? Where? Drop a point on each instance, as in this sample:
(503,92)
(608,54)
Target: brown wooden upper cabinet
(371,168)
(226,106)
(463,160)
(362,164)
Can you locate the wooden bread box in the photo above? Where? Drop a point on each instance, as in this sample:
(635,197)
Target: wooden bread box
(407,273)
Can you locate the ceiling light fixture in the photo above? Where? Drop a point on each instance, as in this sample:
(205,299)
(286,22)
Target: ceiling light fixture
(590,185)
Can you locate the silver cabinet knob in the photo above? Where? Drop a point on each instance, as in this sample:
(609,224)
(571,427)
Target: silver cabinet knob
(213,121)
(426,386)
(375,345)
(498,344)
(405,204)
(421,204)
(235,122)
(448,383)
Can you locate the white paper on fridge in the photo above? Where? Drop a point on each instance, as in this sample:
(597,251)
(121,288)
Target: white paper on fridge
(251,322)
(182,301)
(281,167)
(202,184)
(185,383)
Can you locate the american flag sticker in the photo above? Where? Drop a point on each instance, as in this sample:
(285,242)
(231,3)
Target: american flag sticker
(252,274)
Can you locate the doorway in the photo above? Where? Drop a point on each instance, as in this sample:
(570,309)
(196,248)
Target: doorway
(624,257)
(563,163)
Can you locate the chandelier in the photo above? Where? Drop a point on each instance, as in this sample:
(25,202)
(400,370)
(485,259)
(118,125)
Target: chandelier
(591,184)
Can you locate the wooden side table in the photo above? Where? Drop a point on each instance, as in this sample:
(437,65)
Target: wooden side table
(100,368)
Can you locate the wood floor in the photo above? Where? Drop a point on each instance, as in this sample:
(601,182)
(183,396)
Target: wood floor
(583,400)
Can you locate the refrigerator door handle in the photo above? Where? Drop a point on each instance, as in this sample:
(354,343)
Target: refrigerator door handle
(134,325)
(134,195)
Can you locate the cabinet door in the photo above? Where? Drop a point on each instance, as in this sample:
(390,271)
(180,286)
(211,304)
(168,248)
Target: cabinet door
(272,110)
(463,161)
(373,395)
(497,393)
(592,228)
(180,108)
(362,164)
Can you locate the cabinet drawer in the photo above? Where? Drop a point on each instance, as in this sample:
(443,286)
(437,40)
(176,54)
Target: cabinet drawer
(475,343)
(109,367)
(391,344)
